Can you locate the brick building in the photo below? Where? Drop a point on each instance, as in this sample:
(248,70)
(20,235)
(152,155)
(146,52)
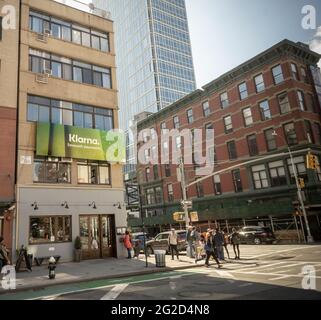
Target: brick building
(255,110)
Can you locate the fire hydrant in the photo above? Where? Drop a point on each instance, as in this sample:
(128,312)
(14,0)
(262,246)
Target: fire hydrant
(52,267)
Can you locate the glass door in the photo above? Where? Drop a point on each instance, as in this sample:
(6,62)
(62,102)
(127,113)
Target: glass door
(108,236)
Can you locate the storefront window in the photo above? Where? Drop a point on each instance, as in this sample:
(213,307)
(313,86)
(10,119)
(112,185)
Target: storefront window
(50,229)
(93,173)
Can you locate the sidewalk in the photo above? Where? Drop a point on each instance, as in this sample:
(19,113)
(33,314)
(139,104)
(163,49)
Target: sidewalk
(95,270)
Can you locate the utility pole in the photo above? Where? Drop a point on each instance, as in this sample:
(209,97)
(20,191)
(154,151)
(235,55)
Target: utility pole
(183,184)
(143,223)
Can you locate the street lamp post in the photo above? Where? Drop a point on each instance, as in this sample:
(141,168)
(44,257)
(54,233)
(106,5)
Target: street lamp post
(299,191)
(183,184)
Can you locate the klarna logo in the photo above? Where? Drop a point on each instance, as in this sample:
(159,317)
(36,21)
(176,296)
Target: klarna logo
(75,138)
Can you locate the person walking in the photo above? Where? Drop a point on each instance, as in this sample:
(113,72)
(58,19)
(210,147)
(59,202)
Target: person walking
(128,244)
(235,241)
(219,243)
(200,249)
(4,254)
(137,248)
(210,249)
(173,242)
(190,242)
(226,242)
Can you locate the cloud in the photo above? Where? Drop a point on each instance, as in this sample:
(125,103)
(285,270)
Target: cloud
(315,43)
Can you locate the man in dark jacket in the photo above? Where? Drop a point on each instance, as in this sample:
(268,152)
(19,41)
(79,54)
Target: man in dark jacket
(219,243)
(210,249)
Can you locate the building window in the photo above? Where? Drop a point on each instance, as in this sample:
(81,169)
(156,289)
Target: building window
(299,163)
(243,91)
(51,170)
(158,195)
(178,142)
(208,131)
(217,184)
(167,170)
(247,116)
(260,177)
(153,134)
(90,172)
(290,134)
(170,193)
(317,128)
(150,196)
(50,229)
(301,100)
(277,173)
(41,109)
(60,67)
(190,117)
(318,169)
(155,171)
(231,147)
(176,122)
(206,108)
(147,174)
(265,110)
(259,83)
(153,151)
(310,103)
(199,190)
(236,176)
(252,145)
(63,30)
(224,100)
(284,103)
(294,71)
(309,132)
(0,28)
(163,125)
(304,75)
(228,124)
(270,140)
(277,74)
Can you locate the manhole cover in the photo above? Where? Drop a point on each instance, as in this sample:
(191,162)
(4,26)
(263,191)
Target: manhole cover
(194,294)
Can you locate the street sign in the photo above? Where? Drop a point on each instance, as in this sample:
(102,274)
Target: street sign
(179,216)
(194,216)
(187,203)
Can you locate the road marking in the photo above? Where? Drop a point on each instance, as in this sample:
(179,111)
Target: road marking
(279,278)
(115,292)
(277,252)
(260,267)
(271,274)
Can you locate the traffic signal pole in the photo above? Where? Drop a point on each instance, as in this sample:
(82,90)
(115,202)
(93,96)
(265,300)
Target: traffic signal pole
(184,192)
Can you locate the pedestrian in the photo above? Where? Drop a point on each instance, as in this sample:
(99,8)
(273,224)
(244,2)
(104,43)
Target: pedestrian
(190,242)
(137,248)
(235,241)
(226,242)
(128,244)
(200,249)
(173,242)
(210,249)
(4,254)
(219,243)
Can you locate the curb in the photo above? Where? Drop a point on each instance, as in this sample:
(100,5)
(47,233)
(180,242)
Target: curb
(106,277)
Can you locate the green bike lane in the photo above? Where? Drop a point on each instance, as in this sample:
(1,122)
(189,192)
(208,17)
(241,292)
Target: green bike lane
(62,289)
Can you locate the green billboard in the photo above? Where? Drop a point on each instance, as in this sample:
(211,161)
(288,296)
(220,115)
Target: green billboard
(71,142)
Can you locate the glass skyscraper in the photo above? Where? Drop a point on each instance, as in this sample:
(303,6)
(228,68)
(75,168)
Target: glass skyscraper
(153,56)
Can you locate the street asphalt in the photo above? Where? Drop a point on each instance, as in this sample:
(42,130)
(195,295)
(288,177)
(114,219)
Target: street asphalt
(264,272)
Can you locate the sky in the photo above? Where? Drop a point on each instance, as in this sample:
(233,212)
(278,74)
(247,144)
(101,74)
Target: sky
(226,33)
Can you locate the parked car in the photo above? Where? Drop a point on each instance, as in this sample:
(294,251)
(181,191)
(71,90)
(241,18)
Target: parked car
(256,235)
(160,242)
(139,236)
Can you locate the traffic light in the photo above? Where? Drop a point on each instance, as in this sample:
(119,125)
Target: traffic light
(301,183)
(311,161)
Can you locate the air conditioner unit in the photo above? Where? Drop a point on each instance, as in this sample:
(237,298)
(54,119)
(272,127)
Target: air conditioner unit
(47,32)
(48,72)
(42,78)
(42,37)
(66,160)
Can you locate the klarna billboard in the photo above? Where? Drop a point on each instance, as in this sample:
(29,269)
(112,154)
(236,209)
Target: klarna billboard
(72,142)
